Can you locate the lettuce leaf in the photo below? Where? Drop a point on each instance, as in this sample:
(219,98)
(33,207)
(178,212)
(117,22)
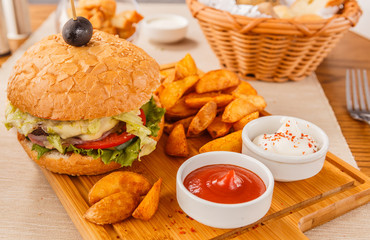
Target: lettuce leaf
(125,157)
(24,122)
(40,150)
(153,115)
(134,125)
(56,142)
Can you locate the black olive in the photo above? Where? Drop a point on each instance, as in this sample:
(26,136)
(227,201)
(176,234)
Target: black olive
(77,32)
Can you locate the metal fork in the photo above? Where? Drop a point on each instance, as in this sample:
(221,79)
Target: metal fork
(358,95)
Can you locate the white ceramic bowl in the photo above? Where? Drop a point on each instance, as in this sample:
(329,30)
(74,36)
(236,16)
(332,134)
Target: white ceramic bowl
(224,215)
(285,168)
(165,28)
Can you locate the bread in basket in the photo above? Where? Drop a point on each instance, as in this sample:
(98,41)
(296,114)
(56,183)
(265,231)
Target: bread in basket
(271,49)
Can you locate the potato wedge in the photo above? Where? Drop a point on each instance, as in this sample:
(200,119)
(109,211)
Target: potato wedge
(174,91)
(216,80)
(231,142)
(108,7)
(132,15)
(243,88)
(177,144)
(112,209)
(197,100)
(127,32)
(238,109)
(80,12)
(218,128)
(159,90)
(149,205)
(180,110)
(167,76)
(89,4)
(239,125)
(203,119)
(185,67)
(185,122)
(119,181)
(256,100)
(119,21)
(97,20)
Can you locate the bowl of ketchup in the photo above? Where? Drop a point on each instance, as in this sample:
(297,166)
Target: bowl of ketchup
(224,189)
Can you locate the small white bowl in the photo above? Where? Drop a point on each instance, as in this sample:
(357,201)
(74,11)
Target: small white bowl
(165,28)
(285,168)
(220,215)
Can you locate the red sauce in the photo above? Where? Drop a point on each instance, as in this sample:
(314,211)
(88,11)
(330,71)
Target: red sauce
(225,183)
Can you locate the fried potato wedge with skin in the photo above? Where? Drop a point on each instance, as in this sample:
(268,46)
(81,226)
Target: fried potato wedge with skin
(89,4)
(149,205)
(218,128)
(216,80)
(243,88)
(167,76)
(132,16)
(127,32)
(97,20)
(186,67)
(112,209)
(159,90)
(108,7)
(180,110)
(119,181)
(185,122)
(239,125)
(174,91)
(256,100)
(238,109)
(79,12)
(121,22)
(197,100)
(177,144)
(231,142)
(203,119)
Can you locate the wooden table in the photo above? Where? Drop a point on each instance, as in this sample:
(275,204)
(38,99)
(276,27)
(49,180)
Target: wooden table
(351,52)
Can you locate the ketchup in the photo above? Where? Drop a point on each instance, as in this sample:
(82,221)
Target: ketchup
(225,183)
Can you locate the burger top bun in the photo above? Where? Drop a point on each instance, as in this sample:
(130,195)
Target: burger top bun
(108,76)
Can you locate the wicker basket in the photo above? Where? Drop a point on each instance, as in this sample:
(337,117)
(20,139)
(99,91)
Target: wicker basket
(272,49)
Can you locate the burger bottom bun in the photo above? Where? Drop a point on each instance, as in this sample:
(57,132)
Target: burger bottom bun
(72,164)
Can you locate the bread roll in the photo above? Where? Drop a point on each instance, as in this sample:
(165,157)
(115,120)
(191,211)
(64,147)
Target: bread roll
(108,76)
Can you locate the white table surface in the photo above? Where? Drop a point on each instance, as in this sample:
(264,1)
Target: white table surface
(29,207)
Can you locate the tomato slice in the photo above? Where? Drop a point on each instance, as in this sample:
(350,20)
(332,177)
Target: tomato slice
(143,117)
(112,140)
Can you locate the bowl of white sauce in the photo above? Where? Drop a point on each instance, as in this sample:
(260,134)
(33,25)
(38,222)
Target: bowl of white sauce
(292,148)
(165,28)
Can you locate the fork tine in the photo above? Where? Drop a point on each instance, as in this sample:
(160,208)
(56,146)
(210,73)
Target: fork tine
(366,88)
(348,91)
(354,91)
(361,90)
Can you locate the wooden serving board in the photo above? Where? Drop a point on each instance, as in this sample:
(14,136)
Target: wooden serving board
(296,206)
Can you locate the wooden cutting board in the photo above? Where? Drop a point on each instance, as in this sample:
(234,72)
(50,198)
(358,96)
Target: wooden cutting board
(296,206)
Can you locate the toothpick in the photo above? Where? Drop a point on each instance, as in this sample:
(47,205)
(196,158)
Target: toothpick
(73,10)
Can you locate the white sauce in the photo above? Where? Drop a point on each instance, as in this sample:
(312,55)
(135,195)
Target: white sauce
(288,140)
(166,23)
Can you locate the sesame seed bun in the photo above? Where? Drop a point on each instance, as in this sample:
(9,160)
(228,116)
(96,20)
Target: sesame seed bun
(108,76)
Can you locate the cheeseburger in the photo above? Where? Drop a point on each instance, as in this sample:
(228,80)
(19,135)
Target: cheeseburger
(85,110)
